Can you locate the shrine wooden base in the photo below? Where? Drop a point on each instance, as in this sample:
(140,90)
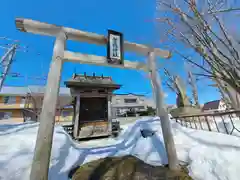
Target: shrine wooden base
(93,129)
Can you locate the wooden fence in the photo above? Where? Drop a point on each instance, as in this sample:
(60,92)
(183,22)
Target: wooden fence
(227,122)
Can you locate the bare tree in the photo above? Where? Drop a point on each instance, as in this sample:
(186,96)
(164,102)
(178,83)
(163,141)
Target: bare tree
(206,27)
(175,84)
(193,85)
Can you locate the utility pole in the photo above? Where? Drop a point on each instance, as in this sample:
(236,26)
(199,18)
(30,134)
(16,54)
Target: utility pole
(6,62)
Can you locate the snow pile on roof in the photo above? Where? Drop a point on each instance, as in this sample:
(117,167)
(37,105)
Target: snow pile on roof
(212,156)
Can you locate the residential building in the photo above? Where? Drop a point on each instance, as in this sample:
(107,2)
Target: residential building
(170,107)
(12,103)
(217,105)
(20,104)
(122,103)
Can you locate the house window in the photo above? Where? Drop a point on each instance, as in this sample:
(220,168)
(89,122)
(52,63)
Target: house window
(23,100)
(130,100)
(5,115)
(66,113)
(9,100)
(118,101)
(141,101)
(118,112)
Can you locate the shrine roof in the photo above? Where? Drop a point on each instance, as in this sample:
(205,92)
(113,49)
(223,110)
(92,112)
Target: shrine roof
(89,81)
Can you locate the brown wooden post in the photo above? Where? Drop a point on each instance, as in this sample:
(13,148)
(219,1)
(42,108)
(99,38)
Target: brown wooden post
(208,124)
(162,113)
(43,146)
(76,117)
(109,115)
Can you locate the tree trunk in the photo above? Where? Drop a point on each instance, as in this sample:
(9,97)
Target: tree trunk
(192,82)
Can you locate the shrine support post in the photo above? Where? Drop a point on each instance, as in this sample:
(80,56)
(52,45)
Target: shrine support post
(76,118)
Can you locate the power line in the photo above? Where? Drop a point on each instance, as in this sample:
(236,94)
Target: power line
(9,39)
(21,46)
(18,75)
(6,61)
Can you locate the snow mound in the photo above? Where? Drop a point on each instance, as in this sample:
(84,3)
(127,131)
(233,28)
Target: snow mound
(211,156)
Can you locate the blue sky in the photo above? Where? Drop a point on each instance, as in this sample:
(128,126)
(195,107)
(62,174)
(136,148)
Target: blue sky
(132,18)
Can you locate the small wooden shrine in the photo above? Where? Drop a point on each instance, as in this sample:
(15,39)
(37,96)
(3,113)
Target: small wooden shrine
(92,105)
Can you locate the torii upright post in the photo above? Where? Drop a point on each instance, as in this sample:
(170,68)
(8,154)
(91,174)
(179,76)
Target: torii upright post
(162,113)
(43,146)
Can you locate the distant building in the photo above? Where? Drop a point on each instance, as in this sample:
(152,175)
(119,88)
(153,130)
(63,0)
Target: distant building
(217,105)
(171,107)
(20,104)
(122,103)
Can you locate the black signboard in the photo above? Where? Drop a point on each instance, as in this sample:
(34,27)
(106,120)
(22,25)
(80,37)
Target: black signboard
(115,48)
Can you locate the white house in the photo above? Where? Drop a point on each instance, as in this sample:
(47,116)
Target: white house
(217,105)
(121,103)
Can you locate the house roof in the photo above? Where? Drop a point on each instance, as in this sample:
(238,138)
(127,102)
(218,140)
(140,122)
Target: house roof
(211,105)
(41,90)
(17,90)
(11,90)
(63,91)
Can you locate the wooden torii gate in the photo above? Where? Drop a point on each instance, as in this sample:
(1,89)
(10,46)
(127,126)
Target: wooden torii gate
(43,146)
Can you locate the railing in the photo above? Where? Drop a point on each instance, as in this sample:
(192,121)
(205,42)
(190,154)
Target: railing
(227,122)
(68,129)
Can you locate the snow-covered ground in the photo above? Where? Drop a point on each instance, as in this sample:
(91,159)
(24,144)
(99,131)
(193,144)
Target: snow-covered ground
(211,156)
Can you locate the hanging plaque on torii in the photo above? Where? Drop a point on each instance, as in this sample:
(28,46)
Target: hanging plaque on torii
(115,48)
